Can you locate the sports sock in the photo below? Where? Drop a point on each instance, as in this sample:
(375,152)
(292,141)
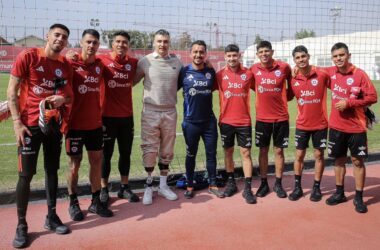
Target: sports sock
(22,197)
(230,176)
(358,194)
(149,181)
(73,199)
(317,183)
(51,184)
(163,180)
(297,179)
(339,189)
(278,181)
(264,181)
(248,181)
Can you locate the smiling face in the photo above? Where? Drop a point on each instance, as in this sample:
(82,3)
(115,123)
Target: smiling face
(57,39)
(161,44)
(232,59)
(341,58)
(198,54)
(301,59)
(265,55)
(120,45)
(89,44)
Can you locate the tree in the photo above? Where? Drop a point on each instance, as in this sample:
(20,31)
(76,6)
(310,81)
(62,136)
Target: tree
(139,39)
(303,33)
(183,42)
(258,39)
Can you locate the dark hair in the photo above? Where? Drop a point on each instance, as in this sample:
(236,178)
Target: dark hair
(60,26)
(339,46)
(162,32)
(231,48)
(121,33)
(91,32)
(198,42)
(299,48)
(264,44)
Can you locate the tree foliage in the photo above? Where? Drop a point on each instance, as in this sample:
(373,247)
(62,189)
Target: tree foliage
(303,33)
(258,39)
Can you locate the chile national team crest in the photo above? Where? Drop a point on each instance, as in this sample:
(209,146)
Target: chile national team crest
(58,72)
(243,77)
(208,75)
(97,69)
(350,81)
(128,67)
(314,82)
(277,73)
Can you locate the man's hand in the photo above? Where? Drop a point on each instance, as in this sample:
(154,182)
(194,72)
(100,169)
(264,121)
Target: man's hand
(341,105)
(56,100)
(20,130)
(72,55)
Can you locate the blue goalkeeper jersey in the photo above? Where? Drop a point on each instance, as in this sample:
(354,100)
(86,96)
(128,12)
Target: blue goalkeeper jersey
(197,93)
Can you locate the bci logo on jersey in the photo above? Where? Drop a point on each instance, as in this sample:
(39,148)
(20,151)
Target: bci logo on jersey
(208,76)
(350,81)
(243,77)
(128,67)
(58,72)
(277,73)
(314,82)
(307,93)
(97,69)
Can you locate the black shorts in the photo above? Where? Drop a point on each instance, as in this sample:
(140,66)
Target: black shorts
(28,154)
(318,137)
(243,136)
(340,142)
(264,131)
(75,139)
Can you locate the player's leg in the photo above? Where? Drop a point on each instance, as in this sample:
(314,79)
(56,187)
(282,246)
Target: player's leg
(263,133)
(280,142)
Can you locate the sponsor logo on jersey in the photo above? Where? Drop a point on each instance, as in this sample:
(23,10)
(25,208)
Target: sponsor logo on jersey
(362,148)
(27,140)
(37,90)
(225,77)
(79,69)
(259,73)
(192,91)
(350,81)
(361,153)
(339,89)
(40,69)
(302,102)
(190,77)
(234,85)
(208,75)
(74,149)
(243,77)
(128,67)
(58,72)
(261,89)
(112,84)
(307,93)
(97,70)
(277,73)
(268,81)
(199,83)
(296,84)
(314,82)
(227,94)
(82,89)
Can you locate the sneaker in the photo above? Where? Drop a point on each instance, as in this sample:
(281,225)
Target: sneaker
(166,192)
(21,236)
(104,196)
(215,191)
(296,194)
(148,196)
(231,189)
(54,223)
(75,212)
(126,193)
(263,190)
(335,199)
(360,207)
(279,191)
(316,194)
(189,194)
(249,197)
(49,119)
(99,208)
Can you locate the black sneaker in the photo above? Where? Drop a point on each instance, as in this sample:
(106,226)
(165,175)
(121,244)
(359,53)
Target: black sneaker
(189,194)
(296,194)
(316,194)
(54,223)
(99,208)
(104,196)
(215,191)
(263,190)
(360,207)
(75,212)
(248,196)
(279,191)
(231,188)
(21,236)
(126,193)
(335,199)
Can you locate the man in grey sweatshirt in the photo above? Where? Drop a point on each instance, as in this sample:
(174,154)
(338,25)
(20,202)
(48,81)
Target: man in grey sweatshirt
(160,71)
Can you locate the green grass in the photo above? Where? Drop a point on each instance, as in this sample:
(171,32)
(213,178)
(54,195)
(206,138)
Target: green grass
(8,151)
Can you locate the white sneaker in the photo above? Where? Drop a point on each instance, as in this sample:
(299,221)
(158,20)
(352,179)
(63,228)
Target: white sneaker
(166,192)
(148,196)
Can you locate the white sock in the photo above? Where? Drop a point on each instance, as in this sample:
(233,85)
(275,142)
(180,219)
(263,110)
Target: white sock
(163,180)
(149,180)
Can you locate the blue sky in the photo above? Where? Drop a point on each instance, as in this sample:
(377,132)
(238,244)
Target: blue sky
(236,20)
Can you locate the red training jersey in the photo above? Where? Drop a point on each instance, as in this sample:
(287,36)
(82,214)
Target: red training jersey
(270,88)
(357,89)
(311,92)
(86,111)
(234,96)
(38,74)
(116,92)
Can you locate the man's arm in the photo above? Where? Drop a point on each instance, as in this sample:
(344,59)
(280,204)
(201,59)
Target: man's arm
(139,72)
(13,103)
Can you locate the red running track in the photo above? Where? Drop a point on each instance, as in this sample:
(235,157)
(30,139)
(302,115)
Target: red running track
(206,222)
